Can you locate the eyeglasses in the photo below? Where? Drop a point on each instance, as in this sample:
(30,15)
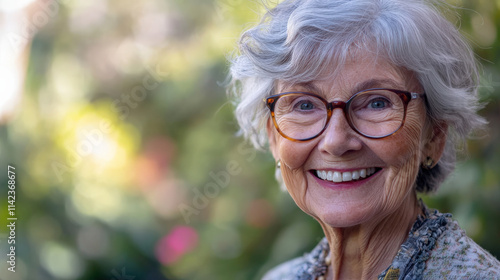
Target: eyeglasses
(373,113)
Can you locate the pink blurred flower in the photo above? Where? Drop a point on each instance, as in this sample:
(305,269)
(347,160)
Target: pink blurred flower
(180,241)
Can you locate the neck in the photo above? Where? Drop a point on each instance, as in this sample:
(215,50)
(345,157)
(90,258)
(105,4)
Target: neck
(364,251)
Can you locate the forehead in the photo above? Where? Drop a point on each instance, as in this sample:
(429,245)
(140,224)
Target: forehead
(359,71)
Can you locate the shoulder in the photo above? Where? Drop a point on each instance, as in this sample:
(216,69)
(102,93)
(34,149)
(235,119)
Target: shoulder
(309,266)
(437,248)
(286,270)
(455,255)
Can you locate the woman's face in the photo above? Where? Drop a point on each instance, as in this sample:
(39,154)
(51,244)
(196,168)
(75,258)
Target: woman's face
(395,160)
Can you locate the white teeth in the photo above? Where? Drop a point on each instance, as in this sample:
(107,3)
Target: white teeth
(347,176)
(362,173)
(337,177)
(355,175)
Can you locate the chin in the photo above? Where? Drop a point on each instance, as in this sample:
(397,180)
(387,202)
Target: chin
(342,207)
(347,217)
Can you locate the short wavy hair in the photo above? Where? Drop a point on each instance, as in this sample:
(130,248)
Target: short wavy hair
(298,40)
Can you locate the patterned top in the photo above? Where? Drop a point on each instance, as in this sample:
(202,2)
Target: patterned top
(436,248)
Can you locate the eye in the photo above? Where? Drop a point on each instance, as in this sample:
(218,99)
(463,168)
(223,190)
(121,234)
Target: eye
(297,103)
(378,103)
(305,105)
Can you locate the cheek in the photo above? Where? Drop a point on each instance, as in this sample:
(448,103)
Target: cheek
(405,147)
(293,157)
(403,159)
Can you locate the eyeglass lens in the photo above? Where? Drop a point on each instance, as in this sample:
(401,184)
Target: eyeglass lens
(376,113)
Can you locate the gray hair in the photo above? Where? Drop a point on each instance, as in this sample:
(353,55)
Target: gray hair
(298,40)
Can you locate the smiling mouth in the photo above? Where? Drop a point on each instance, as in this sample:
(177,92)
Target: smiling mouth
(339,177)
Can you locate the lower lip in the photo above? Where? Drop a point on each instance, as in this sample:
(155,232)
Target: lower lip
(345,185)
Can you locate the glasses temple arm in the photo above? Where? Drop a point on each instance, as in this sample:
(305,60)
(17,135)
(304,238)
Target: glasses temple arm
(415,95)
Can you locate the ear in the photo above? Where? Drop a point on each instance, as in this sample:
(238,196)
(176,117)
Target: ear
(434,147)
(272,137)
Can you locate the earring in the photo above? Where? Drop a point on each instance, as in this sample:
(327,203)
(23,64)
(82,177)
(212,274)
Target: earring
(277,175)
(429,163)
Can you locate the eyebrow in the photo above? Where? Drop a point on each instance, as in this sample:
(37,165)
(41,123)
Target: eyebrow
(310,87)
(377,83)
(364,85)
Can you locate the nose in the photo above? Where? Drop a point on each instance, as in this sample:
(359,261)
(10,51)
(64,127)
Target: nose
(339,138)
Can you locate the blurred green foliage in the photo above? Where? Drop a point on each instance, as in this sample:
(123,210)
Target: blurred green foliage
(127,161)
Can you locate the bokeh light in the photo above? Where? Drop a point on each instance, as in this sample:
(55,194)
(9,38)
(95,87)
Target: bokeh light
(180,241)
(10,6)
(60,261)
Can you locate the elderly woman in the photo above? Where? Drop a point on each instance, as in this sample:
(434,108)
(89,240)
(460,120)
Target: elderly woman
(363,103)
